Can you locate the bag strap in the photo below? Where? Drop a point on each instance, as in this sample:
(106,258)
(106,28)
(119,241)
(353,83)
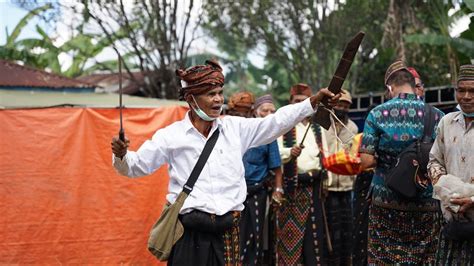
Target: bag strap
(429,121)
(211,142)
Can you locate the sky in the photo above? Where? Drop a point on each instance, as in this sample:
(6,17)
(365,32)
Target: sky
(10,15)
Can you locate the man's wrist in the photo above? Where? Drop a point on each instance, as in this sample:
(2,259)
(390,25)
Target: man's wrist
(279,190)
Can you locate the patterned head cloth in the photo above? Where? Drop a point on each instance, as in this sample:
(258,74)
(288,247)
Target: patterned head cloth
(346,96)
(394,67)
(300,89)
(466,72)
(199,79)
(241,102)
(413,72)
(267,98)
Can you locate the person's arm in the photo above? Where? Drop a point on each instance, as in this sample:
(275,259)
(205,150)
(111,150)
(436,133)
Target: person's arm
(437,165)
(259,131)
(370,140)
(367,161)
(149,157)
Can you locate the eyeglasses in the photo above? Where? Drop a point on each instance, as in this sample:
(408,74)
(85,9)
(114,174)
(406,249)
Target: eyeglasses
(465,91)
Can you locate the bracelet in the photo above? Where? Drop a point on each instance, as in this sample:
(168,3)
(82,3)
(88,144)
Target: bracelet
(279,189)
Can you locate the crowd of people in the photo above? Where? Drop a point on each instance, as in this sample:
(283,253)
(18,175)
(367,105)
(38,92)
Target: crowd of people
(266,172)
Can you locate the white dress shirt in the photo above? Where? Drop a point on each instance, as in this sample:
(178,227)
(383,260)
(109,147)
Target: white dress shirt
(221,186)
(309,158)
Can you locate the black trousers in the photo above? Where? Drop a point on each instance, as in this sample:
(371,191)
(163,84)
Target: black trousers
(198,248)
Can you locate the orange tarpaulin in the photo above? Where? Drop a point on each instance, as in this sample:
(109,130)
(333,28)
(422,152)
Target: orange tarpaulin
(62,201)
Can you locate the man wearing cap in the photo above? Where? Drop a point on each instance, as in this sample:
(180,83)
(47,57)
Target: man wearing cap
(451,168)
(261,164)
(401,231)
(338,201)
(300,225)
(419,86)
(220,190)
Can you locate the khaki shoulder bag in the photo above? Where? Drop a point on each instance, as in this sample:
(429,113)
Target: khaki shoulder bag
(168,229)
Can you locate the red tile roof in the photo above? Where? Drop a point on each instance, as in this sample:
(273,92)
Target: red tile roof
(15,75)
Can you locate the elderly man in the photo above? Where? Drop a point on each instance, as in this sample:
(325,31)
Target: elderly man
(300,234)
(339,197)
(258,163)
(220,190)
(451,169)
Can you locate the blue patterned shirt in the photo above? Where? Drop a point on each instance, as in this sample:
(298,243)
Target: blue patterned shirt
(390,128)
(259,160)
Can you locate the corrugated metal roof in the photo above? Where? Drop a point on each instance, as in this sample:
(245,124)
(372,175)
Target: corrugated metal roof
(10,99)
(15,75)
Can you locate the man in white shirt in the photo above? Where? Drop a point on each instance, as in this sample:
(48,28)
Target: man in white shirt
(220,189)
(300,234)
(451,169)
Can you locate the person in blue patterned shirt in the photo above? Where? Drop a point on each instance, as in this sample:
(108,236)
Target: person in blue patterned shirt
(401,231)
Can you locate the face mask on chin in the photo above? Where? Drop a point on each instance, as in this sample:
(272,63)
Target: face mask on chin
(201,113)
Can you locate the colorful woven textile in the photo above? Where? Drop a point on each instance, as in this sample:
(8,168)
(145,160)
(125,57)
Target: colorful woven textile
(402,237)
(346,161)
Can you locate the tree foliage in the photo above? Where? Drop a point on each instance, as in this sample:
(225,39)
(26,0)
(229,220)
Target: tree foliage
(157,34)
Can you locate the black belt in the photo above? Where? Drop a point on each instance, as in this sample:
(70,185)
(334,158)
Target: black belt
(255,188)
(309,176)
(210,223)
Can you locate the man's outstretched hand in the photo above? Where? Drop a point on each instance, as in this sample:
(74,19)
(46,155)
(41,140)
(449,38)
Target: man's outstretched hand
(333,99)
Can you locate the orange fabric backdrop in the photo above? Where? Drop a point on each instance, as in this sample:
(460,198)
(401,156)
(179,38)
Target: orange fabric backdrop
(61,200)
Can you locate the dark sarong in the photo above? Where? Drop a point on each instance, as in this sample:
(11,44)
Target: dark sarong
(454,252)
(339,215)
(402,237)
(203,247)
(251,225)
(360,220)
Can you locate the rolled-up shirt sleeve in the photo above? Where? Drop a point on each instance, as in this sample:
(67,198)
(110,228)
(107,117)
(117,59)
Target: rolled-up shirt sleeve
(371,135)
(436,164)
(149,157)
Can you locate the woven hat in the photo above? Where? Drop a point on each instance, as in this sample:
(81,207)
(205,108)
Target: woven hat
(466,72)
(394,67)
(267,98)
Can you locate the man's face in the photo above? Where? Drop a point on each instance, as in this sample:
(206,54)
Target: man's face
(265,109)
(465,95)
(298,98)
(343,106)
(210,102)
(419,87)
